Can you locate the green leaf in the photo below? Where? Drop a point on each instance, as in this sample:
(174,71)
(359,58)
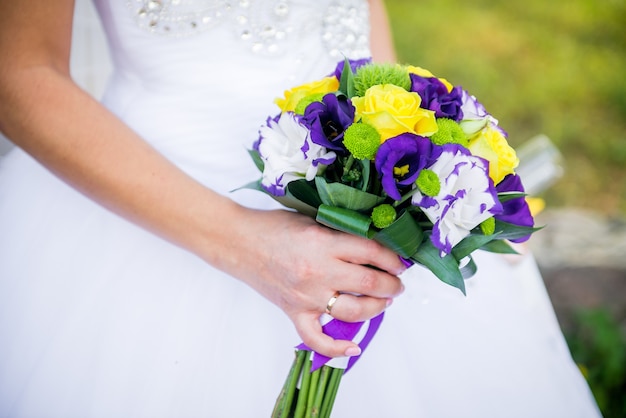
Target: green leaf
(346,82)
(341,195)
(445,268)
(510,231)
(253,185)
(499,246)
(471,243)
(345,220)
(403,236)
(301,196)
(305,191)
(256,158)
(506,196)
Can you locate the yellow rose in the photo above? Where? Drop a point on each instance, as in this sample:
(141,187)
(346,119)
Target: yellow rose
(293,96)
(393,111)
(491,145)
(422,72)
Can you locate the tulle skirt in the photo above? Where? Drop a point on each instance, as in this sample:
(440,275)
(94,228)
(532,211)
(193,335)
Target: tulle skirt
(99,318)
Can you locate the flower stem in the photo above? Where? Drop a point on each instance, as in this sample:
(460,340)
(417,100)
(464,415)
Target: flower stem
(331,392)
(405,197)
(304,388)
(285,399)
(315,378)
(317,392)
(348,165)
(320,393)
(300,360)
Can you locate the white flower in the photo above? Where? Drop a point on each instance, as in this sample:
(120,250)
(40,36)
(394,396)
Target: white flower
(475,117)
(467,197)
(289,154)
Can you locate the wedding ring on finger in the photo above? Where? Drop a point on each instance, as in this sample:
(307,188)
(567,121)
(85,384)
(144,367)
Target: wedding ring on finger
(331,303)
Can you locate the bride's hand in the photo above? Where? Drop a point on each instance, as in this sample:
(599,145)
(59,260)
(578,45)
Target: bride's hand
(299,265)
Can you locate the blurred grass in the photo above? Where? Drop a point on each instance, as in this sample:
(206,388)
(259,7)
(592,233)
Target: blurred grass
(557,68)
(598,345)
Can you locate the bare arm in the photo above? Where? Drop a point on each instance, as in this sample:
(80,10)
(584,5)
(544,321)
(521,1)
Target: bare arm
(47,115)
(381,45)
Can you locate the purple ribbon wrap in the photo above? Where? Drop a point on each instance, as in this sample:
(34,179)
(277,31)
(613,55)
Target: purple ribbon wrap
(341,330)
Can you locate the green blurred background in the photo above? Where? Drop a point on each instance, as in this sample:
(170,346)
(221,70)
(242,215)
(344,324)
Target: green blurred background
(546,67)
(551,67)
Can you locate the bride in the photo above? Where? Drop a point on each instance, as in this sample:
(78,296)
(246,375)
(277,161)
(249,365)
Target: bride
(134,284)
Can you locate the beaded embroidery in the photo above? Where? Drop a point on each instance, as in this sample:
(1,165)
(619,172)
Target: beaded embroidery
(346,29)
(264,26)
(178,17)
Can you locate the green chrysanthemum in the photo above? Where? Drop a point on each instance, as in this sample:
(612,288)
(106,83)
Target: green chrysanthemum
(307,100)
(488,226)
(449,132)
(362,140)
(383,215)
(374,74)
(428,182)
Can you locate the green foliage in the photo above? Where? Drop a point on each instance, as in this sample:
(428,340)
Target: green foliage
(346,81)
(555,68)
(342,219)
(445,268)
(370,75)
(403,236)
(598,345)
(344,196)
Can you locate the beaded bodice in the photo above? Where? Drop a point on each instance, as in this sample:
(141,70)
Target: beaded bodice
(266,27)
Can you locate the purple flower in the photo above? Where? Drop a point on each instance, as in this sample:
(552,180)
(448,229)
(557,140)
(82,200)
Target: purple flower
(354,65)
(400,159)
(467,197)
(436,97)
(515,211)
(328,119)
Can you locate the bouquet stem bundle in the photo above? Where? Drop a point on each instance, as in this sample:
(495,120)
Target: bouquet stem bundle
(316,393)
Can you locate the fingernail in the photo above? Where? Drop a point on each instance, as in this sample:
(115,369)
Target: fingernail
(353,351)
(389,302)
(400,271)
(406,263)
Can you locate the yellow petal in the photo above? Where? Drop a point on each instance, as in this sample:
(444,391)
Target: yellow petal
(535,204)
(293,96)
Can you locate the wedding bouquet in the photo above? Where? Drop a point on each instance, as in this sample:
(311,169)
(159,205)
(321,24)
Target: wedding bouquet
(394,154)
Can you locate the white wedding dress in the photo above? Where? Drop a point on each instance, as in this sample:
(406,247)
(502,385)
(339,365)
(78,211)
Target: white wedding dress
(99,318)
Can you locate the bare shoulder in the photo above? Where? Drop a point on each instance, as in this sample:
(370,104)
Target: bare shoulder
(35,32)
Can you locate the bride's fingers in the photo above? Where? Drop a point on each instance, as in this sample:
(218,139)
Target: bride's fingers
(351,308)
(366,251)
(310,330)
(364,280)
